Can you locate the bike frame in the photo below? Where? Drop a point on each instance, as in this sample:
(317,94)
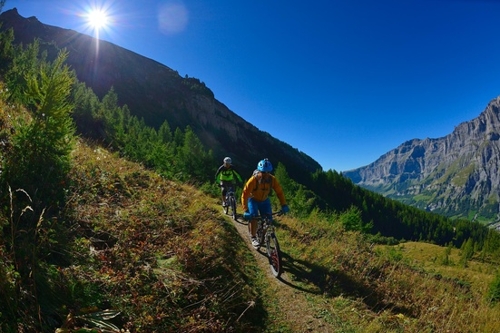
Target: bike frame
(230,192)
(265,225)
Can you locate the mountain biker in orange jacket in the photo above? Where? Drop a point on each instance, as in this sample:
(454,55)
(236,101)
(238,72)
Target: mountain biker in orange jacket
(255,196)
(226,176)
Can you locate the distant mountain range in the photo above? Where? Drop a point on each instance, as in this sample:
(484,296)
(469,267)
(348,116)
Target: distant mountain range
(156,93)
(456,175)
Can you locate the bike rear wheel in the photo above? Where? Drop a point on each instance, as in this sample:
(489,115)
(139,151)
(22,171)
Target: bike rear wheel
(274,255)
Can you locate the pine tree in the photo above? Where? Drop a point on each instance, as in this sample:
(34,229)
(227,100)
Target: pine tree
(40,158)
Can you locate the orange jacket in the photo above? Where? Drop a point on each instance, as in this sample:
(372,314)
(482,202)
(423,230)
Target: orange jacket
(259,190)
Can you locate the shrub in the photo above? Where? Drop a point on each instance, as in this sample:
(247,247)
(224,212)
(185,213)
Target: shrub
(493,295)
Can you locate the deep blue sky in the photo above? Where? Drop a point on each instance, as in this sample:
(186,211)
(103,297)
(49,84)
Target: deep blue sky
(342,81)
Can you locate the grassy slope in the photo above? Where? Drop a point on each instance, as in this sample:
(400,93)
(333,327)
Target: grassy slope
(157,250)
(172,255)
(359,288)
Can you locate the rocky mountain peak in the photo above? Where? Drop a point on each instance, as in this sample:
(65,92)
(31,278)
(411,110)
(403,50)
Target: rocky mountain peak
(456,175)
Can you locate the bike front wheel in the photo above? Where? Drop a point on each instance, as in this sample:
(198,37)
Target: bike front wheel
(232,204)
(274,255)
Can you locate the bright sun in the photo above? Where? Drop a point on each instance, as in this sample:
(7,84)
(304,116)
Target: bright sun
(97,19)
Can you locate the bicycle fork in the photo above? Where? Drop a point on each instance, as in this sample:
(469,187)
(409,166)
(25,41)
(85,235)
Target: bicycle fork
(261,234)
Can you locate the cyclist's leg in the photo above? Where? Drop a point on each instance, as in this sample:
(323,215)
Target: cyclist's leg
(265,208)
(227,186)
(253,209)
(223,186)
(233,185)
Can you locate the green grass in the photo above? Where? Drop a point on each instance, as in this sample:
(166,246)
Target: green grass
(403,288)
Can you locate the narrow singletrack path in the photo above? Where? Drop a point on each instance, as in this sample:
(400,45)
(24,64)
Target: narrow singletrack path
(293,304)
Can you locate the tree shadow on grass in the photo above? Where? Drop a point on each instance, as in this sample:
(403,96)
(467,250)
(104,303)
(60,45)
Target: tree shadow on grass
(315,279)
(301,273)
(318,280)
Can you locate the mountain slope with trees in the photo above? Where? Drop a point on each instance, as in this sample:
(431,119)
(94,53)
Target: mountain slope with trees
(156,93)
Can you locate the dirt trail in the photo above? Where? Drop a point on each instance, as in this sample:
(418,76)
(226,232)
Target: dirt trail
(294,307)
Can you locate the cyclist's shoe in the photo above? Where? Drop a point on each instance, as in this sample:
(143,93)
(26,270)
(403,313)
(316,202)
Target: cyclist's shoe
(255,242)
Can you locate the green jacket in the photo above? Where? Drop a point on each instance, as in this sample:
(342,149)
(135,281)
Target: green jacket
(227,175)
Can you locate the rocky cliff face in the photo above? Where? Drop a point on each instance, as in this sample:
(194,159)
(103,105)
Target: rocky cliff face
(157,93)
(456,175)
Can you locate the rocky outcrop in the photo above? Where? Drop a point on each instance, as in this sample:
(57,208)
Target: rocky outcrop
(456,175)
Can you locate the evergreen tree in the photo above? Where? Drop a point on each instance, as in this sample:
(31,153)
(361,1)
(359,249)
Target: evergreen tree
(196,163)
(493,295)
(467,252)
(6,49)
(25,64)
(351,220)
(86,104)
(165,133)
(40,157)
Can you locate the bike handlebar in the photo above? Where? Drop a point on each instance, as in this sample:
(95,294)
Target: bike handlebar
(262,217)
(229,187)
(278,213)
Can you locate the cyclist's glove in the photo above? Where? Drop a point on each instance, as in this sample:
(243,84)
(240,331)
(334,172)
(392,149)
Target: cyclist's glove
(247,216)
(285,209)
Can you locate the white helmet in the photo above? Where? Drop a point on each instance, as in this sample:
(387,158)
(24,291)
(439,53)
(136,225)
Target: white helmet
(228,160)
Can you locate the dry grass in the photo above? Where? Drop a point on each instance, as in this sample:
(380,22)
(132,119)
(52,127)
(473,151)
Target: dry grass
(359,288)
(156,250)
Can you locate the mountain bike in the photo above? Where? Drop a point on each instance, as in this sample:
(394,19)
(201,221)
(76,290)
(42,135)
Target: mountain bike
(230,208)
(266,236)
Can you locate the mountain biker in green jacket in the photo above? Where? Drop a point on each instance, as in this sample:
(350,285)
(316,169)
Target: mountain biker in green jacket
(226,176)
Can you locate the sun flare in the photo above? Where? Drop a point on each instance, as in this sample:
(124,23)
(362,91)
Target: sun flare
(98,19)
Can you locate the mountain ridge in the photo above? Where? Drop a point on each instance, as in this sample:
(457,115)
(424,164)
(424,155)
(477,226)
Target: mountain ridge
(164,95)
(455,175)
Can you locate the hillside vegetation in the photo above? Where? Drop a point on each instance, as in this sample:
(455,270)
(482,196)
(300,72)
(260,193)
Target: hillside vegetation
(108,226)
(154,255)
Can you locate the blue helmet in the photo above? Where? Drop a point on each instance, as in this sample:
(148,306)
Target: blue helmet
(265,166)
